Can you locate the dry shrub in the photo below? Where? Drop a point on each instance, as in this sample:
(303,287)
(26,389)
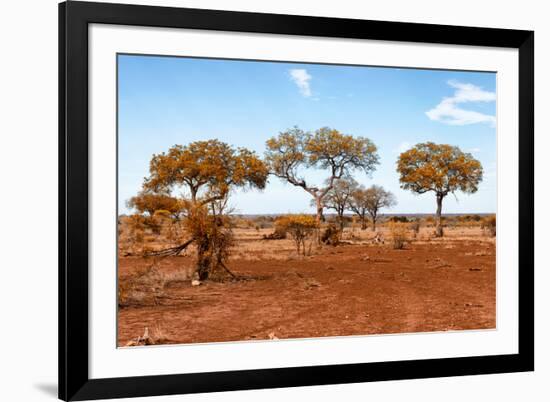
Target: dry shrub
(279,232)
(398,234)
(331,235)
(489,225)
(129,296)
(134,233)
(147,285)
(177,276)
(299,227)
(430,221)
(155,336)
(415,227)
(141,288)
(402,219)
(213,237)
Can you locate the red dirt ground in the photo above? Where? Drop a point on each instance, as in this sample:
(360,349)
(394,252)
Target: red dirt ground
(345,290)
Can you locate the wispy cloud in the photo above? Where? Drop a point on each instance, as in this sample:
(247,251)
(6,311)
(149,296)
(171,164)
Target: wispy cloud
(449,110)
(474,150)
(302,79)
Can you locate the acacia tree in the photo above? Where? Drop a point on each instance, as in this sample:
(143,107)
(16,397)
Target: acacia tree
(327,149)
(206,171)
(376,198)
(439,168)
(338,196)
(357,204)
(369,201)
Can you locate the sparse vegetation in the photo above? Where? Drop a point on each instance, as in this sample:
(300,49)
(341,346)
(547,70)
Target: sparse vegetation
(326,149)
(415,227)
(331,235)
(441,169)
(489,224)
(199,238)
(239,226)
(208,171)
(338,198)
(398,233)
(299,227)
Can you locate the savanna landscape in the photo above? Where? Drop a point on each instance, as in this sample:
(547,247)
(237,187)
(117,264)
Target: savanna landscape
(327,247)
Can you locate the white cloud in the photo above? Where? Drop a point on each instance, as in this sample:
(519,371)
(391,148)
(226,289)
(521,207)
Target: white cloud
(449,112)
(474,150)
(301,78)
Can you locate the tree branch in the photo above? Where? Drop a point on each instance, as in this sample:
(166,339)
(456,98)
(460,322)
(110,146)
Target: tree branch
(170,251)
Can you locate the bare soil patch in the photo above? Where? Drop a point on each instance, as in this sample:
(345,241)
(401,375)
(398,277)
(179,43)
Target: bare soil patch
(355,289)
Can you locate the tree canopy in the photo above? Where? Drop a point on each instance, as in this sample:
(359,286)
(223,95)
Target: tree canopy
(207,169)
(150,203)
(439,168)
(337,198)
(370,201)
(327,149)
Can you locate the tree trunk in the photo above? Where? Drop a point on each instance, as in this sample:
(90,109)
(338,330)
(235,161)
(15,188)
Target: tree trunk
(363,223)
(374,223)
(438,227)
(203,262)
(319,217)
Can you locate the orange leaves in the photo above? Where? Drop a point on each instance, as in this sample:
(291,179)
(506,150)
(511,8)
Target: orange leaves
(296,222)
(299,227)
(206,167)
(325,149)
(328,148)
(440,168)
(150,203)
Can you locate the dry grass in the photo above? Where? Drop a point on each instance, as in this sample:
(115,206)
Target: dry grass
(250,245)
(398,234)
(153,336)
(146,287)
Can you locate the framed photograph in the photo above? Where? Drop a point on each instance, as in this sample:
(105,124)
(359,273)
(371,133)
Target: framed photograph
(258,201)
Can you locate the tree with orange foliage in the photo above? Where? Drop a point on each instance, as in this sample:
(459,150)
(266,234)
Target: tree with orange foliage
(207,171)
(326,149)
(439,168)
(148,202)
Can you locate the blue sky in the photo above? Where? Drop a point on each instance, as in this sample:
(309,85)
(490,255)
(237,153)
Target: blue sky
(170,100)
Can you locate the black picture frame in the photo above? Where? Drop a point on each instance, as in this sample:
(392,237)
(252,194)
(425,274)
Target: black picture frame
(74,381)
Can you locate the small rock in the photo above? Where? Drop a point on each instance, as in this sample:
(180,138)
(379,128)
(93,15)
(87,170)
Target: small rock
(272,336)
(195,282)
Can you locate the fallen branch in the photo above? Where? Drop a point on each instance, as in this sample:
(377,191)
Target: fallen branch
(228,271)
(170,251)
